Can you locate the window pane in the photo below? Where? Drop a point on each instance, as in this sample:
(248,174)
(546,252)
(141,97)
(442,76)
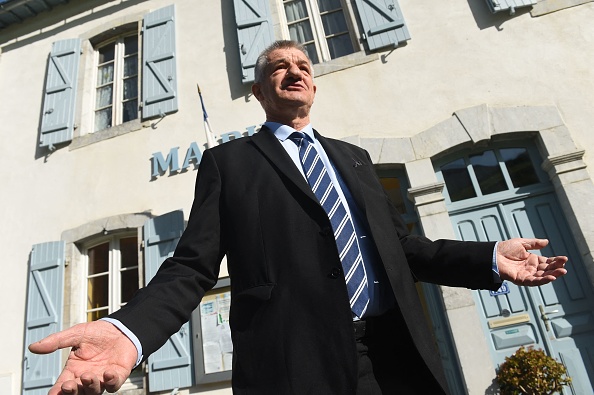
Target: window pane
(106,53)
(458,180)
(130,45)
(129,251)
(105,74)
(295,10)
(129,284)
(334,23)
(98,259)
(96,315)
(519,166)
(301,32)
(130,66)
(488,172)
(329,5)
(310,49)
(104,96)
(103,119)
(130,88)
(130,110)
(340,46)
(97,292)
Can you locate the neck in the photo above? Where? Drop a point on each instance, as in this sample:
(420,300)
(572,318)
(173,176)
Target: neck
(297,120)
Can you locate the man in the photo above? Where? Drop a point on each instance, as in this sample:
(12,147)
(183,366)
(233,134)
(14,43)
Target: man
(303,322)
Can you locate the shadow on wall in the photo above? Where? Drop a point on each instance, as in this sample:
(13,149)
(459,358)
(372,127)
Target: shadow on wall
(486,19)
(58,20)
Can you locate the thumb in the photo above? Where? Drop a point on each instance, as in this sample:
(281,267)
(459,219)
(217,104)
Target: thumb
(535,244)
(55,341)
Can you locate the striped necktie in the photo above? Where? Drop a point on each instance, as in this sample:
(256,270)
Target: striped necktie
(344,231)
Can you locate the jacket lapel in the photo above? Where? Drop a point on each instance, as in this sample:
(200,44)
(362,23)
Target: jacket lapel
(271,148)
(346,164)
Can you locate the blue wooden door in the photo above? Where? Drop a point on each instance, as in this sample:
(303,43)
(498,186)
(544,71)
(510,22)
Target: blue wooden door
(499,193)
(556,317)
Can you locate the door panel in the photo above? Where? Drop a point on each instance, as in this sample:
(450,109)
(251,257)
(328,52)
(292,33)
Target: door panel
(556,317)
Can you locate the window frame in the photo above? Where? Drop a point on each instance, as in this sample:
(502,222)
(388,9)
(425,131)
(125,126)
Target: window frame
(118,76)
(114,296)
(84,133)
(320,38)
(511,192)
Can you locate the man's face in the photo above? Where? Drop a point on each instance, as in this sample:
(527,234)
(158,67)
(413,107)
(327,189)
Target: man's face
(287,82)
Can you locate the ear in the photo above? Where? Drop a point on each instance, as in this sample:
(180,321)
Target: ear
(257,91)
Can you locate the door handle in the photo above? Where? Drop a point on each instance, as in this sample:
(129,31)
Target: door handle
(545,318)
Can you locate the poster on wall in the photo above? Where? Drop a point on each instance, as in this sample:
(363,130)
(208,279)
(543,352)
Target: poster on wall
(216,334)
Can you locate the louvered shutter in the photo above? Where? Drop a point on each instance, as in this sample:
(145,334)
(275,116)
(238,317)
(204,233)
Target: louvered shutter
(254,33)
(509,5)
(59,103)
(159,73)
(170,366)
(383,23)
(45,299)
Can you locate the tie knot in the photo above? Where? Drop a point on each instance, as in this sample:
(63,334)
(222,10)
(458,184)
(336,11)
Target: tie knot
(298,138)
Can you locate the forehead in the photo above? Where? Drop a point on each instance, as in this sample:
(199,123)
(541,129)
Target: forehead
(287,55)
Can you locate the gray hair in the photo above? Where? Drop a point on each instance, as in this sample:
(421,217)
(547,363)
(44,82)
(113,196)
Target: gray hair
(263,61)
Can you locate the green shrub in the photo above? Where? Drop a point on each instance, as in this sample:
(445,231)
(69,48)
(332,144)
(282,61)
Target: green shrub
(531,372)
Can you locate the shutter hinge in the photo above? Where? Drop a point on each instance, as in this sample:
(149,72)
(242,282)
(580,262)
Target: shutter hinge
(363,37)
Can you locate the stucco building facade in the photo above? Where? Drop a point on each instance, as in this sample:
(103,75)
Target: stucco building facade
(477,113)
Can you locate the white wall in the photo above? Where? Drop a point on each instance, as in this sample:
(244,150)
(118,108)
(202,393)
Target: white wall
(459,56)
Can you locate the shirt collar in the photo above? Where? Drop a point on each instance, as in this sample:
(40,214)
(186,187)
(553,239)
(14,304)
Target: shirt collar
(282,132)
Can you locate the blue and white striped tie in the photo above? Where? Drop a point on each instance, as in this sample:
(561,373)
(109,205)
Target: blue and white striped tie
(344,231)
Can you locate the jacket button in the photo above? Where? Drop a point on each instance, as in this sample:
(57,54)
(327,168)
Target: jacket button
(335,272)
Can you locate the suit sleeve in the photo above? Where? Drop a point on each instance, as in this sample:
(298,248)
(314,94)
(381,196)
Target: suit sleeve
(446,262)
(158,310)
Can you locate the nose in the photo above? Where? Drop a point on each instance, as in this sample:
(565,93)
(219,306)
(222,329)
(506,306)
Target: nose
(294,70)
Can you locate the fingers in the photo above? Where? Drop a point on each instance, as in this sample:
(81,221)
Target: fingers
(90,384)
(112,381)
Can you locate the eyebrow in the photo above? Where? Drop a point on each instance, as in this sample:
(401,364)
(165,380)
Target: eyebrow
(287,60)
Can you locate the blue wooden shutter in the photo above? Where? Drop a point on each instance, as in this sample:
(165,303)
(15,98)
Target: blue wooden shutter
(59,103)
(159,74)
(383,23)
(509,5)
(171,366)
(45,299)
(254,33)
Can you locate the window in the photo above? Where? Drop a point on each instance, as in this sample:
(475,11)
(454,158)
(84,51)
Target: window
(112,275)
(116,92)
(328,29)
(321,26)
(488,172)
(119,59)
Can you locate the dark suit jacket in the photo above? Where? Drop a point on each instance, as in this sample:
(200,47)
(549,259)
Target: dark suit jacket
(290,318)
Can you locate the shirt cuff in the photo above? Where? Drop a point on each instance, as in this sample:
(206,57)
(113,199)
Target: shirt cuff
(494,266)
(129,335)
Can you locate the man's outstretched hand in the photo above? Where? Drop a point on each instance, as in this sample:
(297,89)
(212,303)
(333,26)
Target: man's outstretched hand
(521,267)
(101,358)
